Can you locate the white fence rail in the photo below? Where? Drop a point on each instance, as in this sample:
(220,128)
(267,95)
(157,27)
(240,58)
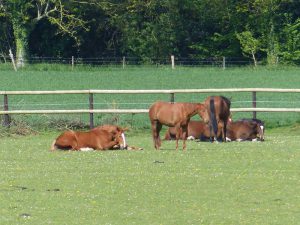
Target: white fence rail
(6,112)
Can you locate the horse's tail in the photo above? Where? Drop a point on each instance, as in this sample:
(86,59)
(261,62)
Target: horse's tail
(53,146)
(213,118)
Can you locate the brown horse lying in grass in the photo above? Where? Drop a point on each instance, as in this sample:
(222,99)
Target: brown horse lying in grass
(175,115)
(97,139)
(244,130)
(116,129)
(196,130)
(241,130)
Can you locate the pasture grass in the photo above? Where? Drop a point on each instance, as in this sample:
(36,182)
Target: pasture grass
(144,77)
(231,183)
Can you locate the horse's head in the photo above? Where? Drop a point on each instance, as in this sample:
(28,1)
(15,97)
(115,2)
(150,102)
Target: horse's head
(260,132)
(203,112)
(120,138)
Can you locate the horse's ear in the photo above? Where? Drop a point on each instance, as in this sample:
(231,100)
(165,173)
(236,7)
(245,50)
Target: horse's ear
(125,129)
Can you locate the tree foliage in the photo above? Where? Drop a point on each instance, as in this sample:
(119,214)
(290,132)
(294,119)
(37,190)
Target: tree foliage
(152,29)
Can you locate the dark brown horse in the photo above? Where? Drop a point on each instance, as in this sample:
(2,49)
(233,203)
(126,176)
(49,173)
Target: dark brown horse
(97,139)
(244,130)
(259,122)
(196,130)
(218,108)
(173,115)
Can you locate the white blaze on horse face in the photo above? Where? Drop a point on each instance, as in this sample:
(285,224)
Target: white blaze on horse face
(124,140)
(262,128)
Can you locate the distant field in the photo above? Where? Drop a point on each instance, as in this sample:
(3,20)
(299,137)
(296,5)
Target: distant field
(62,78)
(232,183)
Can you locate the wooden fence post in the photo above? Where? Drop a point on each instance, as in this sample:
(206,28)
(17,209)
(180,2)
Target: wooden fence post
(224,63)
(72,62)
(172,97)
(123,62)
(91,102)
(6,117)
(173,61)
(254,103)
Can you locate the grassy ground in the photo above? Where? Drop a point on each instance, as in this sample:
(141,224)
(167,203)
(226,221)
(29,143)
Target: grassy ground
(149,78)
(232,183)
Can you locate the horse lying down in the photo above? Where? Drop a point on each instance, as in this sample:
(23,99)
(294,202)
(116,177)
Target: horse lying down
(196,130)
(100,138)
(245,129)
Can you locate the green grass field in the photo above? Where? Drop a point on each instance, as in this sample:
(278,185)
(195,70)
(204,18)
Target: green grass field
(148,78)
(227,183)
(232,183)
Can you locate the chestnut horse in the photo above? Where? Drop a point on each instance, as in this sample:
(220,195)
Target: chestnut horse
(196,130)
(114,129)
(173,115)
(244,130)
(97,139)
(218,108)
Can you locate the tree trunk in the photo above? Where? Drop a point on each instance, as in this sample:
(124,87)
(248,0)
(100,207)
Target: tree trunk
(254,59)
(21,41)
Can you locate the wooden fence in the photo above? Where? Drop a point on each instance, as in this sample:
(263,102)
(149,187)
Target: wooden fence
(6,112)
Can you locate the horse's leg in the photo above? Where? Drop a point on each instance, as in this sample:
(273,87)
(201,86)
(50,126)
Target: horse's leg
(154,133)
(178,132)
(184,135)
(224,130)
(108,145)
(156,127)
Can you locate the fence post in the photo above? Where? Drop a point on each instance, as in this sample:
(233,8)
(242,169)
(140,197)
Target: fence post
(6,117)
(12,59)
(72,62)
(173,61)
(224,63)
(172,98)
(123,62)
(91,102)
(254,103)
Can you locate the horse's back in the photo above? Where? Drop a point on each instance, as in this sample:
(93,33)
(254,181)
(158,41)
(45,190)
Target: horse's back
(167,113)
(221,104)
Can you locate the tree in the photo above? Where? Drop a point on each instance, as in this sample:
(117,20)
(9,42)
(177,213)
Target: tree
(25,14)
(291,50)
(249,44)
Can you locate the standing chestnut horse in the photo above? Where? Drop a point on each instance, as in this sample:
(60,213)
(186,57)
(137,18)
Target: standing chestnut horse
(173,115)
(218,108)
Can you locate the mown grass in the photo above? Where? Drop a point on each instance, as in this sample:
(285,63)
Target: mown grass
(232,183)
(149,78)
